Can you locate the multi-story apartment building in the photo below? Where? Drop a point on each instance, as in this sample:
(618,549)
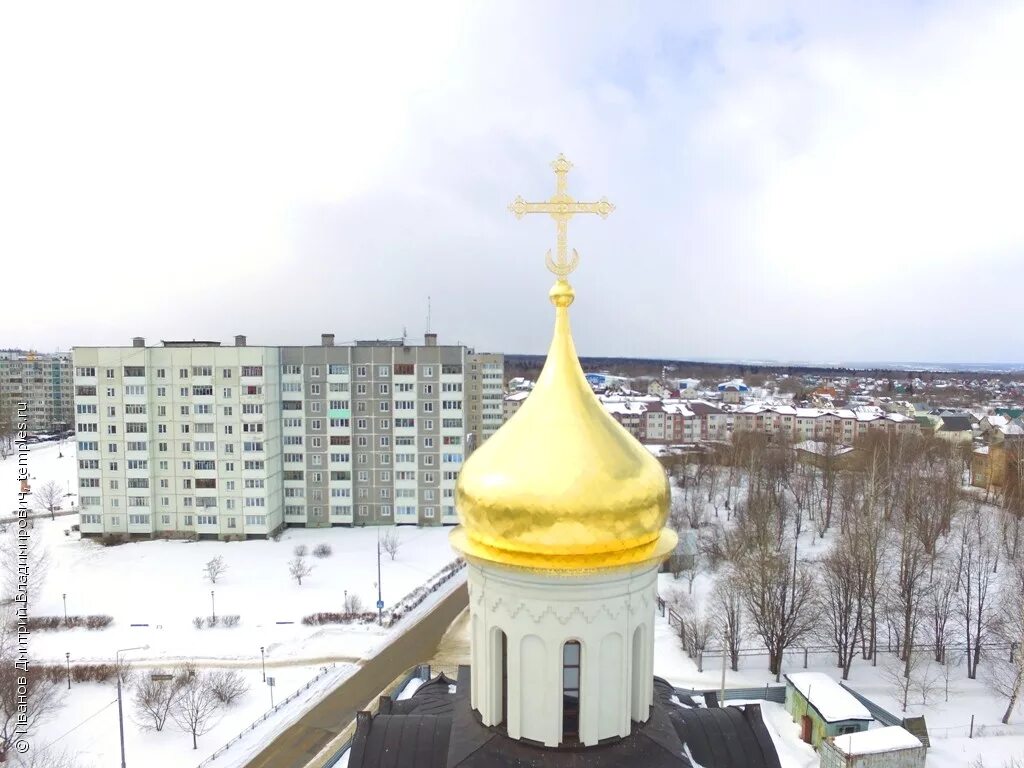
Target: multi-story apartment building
(843,425)
(513,402)
(196,438)
(658,421)
(43,381)
(485,395)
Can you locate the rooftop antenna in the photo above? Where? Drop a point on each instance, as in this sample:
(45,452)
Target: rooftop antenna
(428,314)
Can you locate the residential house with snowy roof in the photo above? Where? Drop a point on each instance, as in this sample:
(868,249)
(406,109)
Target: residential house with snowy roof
(797,424)
(989,463)
(733,391)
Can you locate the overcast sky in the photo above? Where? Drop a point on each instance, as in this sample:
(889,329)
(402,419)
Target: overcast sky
(791,181)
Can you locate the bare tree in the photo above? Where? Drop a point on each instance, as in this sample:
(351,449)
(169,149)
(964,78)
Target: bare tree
(1007,677)
(48,497)
(698,628)
(353,603)
(124,670)
(779,601)
(300,550)
(26,701)
(153,699)
(227,685)
(841,600)
(927,680)
(942,605)
(6,437)
(868,533)
(893,672)
(950,664)
(390,542)
(906,597)
(195,707)
(299,569)
(22,579)
(727,607)
(215,568)
(979,551)
(47,757)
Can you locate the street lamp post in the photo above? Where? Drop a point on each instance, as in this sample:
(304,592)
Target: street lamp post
(263,663)
(120,714)
(64,596)
(213,608)
(380,599)
(67,656)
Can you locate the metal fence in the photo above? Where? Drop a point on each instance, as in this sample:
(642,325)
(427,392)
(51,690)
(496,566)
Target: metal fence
(270,712)
(881,715)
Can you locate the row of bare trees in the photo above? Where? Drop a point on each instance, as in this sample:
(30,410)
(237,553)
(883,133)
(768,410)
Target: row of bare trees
(904,553)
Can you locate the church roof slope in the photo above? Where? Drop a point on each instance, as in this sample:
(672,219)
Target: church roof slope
(437,729)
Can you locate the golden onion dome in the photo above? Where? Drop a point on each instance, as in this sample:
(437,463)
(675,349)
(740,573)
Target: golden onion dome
(563,486)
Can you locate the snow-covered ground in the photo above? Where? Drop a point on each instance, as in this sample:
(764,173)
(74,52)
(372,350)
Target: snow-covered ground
(86,726)
(161,586)
(948,722)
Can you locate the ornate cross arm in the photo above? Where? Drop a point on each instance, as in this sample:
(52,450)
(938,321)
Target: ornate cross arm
(561,207)
(520,208)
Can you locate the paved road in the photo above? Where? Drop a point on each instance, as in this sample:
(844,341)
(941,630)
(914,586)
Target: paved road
(37,515)
(299,744)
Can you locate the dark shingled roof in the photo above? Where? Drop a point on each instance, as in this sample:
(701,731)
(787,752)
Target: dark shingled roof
(955,424)
(701,408)
(436,728)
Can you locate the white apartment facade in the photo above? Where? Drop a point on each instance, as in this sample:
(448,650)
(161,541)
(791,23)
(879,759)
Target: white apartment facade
(194,438)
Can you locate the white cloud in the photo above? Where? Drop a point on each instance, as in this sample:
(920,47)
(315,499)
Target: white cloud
(790,181)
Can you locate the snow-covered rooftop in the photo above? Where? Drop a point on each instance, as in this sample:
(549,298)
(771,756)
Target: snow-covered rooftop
(833,702)
(876,740)
(821,448)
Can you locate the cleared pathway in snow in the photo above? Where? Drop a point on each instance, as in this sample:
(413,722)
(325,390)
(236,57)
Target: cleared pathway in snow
(302,741)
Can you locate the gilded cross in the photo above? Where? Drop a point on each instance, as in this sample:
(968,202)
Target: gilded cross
(561,207)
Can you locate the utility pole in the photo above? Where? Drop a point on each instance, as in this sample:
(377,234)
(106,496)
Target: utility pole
(263,663)
(380,598)
(120,714)
(721,700)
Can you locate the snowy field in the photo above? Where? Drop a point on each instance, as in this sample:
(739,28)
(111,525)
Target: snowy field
(161,586)
(87,728)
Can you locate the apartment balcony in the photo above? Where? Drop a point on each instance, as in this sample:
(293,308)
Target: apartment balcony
(340,517)
(407,516)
